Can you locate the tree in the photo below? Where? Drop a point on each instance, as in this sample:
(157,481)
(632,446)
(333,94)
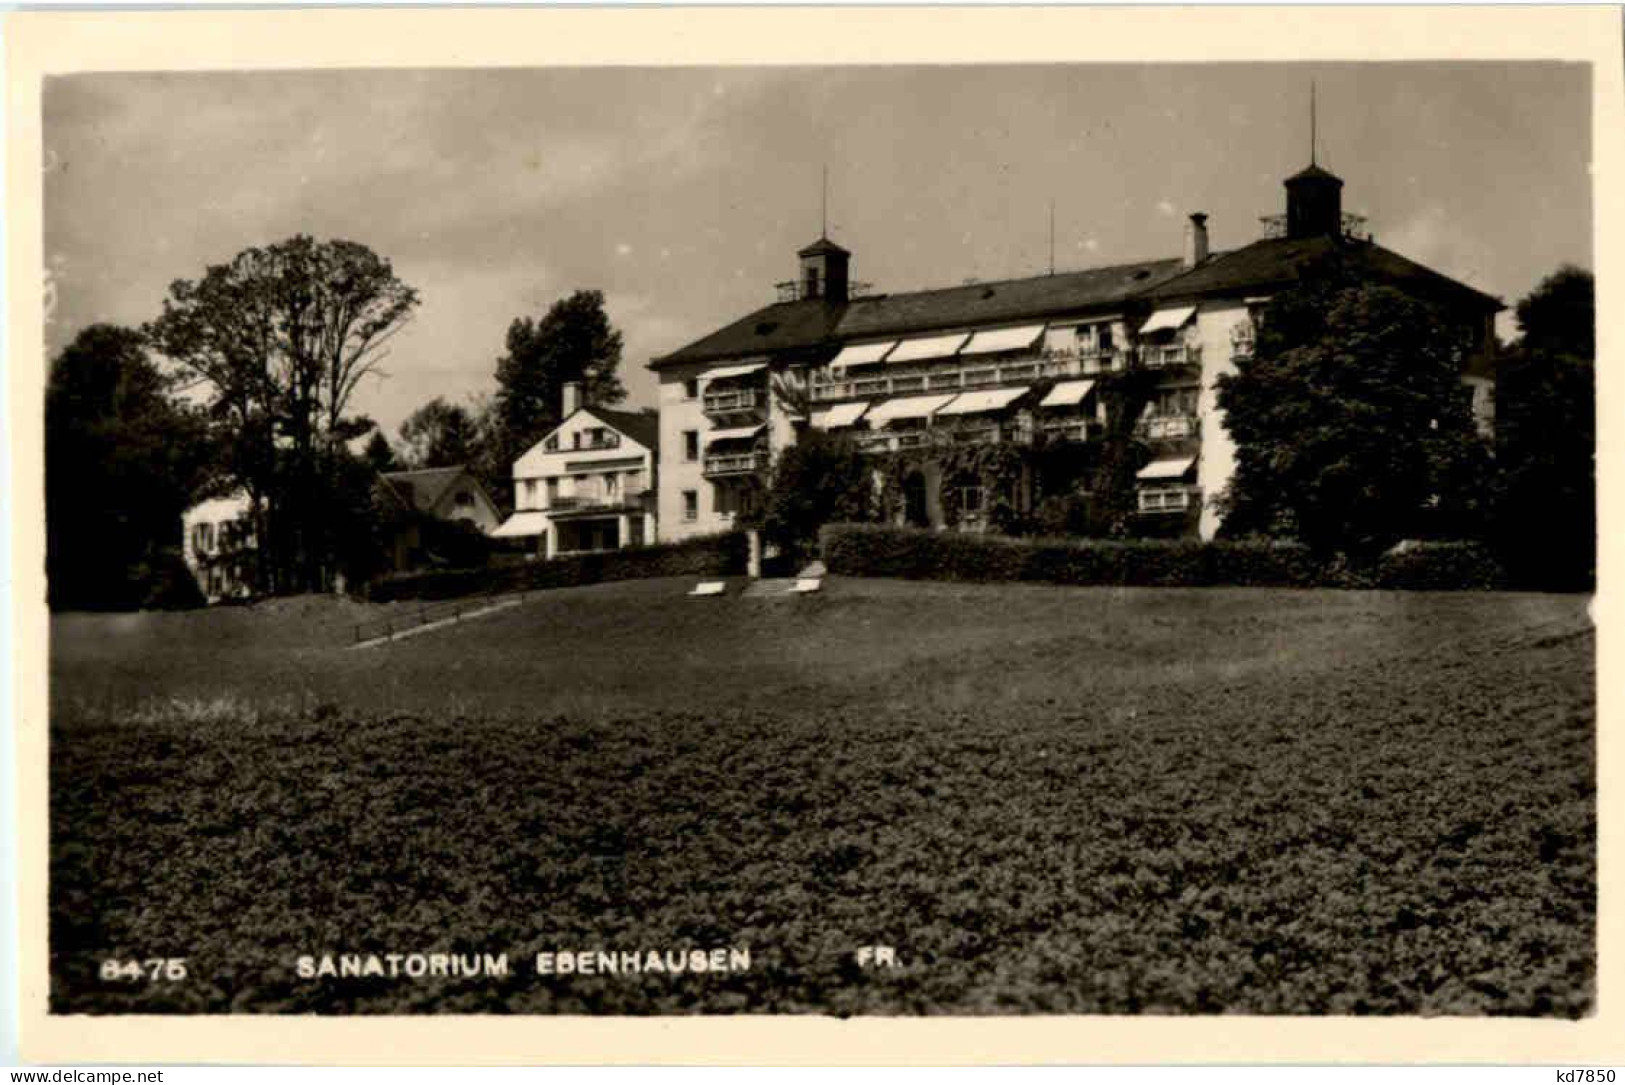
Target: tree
(819,480)
(379,455)
(281,337)
(1545,507)
(122,459)
(1351,422)
(440,434)
(573,342)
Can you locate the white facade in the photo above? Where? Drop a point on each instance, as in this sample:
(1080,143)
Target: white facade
(585,487)
(720,427)
(217,545)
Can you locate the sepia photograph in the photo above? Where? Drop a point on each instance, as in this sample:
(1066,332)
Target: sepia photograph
(884,540)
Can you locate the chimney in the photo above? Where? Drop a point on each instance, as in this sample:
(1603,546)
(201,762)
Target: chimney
(1196,240)
(572,397)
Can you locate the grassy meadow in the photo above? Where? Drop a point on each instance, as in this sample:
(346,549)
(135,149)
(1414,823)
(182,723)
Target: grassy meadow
(1045,800)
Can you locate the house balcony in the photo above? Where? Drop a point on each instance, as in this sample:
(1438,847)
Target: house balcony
(947,375)
(1090,362)
(1243,341)
(734,464)
(1170,357)
(732,404)
(1155,500)
(891,440)
(1074,430)
(1169,427)
(579,504)
(986,433)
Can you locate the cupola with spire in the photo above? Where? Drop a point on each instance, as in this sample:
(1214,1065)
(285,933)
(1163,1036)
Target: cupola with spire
(824,271)
(1314,203)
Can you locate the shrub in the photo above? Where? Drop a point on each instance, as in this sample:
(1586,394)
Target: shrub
(875,550)
(1439,566)
(711,555)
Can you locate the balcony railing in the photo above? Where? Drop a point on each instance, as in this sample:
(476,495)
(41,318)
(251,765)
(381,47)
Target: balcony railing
(1167,427)
(1071,429)
(721,465)
(586,502)
(1168,498)
(891,440)
(735,401)
(959,375)
(1243,340)
(1168,357)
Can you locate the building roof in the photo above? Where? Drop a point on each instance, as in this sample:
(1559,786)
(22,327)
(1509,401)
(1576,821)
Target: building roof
(642,426)
(822,323)
(423,489)
(822,247)
(787,325)
(1002,301)
(1277,262)
(1313,172)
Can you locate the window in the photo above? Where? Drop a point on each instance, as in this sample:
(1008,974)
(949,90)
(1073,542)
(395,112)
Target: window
(203,537)
(970,501)
(552,444)
(691,505)
(465,500)
(812,283)
(530,493)
(612,486)
(552,491)
(691,445)
(1103,336)
(691,388)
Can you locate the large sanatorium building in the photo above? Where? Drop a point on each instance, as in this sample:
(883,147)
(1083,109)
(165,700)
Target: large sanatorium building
(996,362)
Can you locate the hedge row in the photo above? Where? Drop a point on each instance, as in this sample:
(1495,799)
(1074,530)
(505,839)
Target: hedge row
(711,555)
(875,550)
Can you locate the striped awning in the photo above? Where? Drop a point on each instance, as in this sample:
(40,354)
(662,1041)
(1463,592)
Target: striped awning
(862,354)
(735,371)
(1067,394)
(1162,469)
(908,407)
(522,525)
(738,433)
(1168,319)
(1002,339)
(842,414)
(934,346)
(990,399)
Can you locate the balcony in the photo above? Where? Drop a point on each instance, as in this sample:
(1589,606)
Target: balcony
(1168,427)
(1170,357)
(948,375)
(1243,340)
(577,503)
(1163,499)
(985,433)
(732,464)
(731,402)
(891,440)
(1077,430)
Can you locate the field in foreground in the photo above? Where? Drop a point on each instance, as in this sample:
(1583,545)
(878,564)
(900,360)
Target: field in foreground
(1045,799)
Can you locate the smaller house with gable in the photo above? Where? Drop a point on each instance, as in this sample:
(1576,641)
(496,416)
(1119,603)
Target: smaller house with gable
(589,484)
(429,498)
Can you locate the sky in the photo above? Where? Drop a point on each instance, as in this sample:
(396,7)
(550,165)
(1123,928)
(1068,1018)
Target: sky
(683,193)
